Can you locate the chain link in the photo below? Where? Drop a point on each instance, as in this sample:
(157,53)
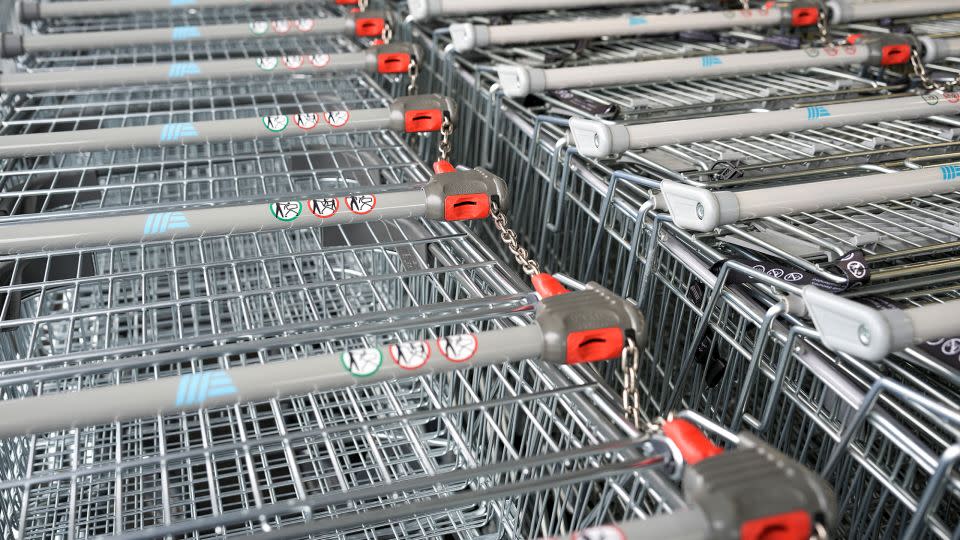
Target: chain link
(387,34)
(823,25)
(921,72)
(362,5)
(629,367)
(413,70)
(446,129)
(509,237)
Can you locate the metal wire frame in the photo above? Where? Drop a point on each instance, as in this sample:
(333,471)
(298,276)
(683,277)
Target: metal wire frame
(264,466)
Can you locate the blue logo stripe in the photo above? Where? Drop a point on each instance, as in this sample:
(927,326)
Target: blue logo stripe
(182,69)
(816,113)
(149,224)
(635,21)
(165,221)
(196,388)
(950,172)
(185,32)
(710,61)
(183,2)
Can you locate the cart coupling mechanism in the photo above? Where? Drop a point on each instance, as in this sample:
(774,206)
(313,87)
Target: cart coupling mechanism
(458,195)
(590,325)
(423,113)
(393,57)
(801,13)
(885,49)
(753,491)
(370,24)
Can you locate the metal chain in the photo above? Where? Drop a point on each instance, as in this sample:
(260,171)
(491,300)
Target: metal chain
(509,237)
(446,129)
(823,25)
(921,71)
(413,70)
(629,366)
(387,34)
(362,5)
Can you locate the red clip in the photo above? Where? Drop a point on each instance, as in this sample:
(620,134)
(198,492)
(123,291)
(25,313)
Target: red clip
(594,345)
(546,285)
(853,38)
(443,166)
(463,207)
(355,10)
(805,16)
(393,62)
(423,121)
(693,444)
(369,26)
(789,526)
(346,2)
(894,55)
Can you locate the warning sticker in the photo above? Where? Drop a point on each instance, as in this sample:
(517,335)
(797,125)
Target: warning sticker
(459,348)
(319,60)
(276,123)
(282,26)
(603,532)
(325,207)
(336,118)
(293,62)
(267,63)
(286,210)
(362,362)
(410,354)
(361,204)
(259,28)
(306,25)
(306,120)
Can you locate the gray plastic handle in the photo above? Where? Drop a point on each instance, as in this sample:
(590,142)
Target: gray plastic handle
(426,9)
(870,334)
(193,223)
(843,11)
(91,140)
(468,36)
(184,34)
(520,81)
(700,209)
(35,9)
(598,139)
(246,68)
(264,381)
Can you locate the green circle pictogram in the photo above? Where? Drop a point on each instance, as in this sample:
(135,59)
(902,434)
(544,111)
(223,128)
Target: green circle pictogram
(362,362)
(286,210)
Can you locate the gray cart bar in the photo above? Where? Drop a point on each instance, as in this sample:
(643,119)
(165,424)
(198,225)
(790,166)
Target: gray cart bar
(366,24)
(411,114)
(520,81)
(470,36)
(393,58)
(217,388)
(32,10)
(455,196)
(702,210)
(425,9)
(797,13)
(597,139)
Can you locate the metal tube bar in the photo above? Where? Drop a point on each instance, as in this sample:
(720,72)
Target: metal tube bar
(469,36)
(91,140)
(843,11)
(199,222)
(270,66)
(92,8)
(700,209)
(253,383)
(185,34)
(519,81)
(596,139)
(425,9)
